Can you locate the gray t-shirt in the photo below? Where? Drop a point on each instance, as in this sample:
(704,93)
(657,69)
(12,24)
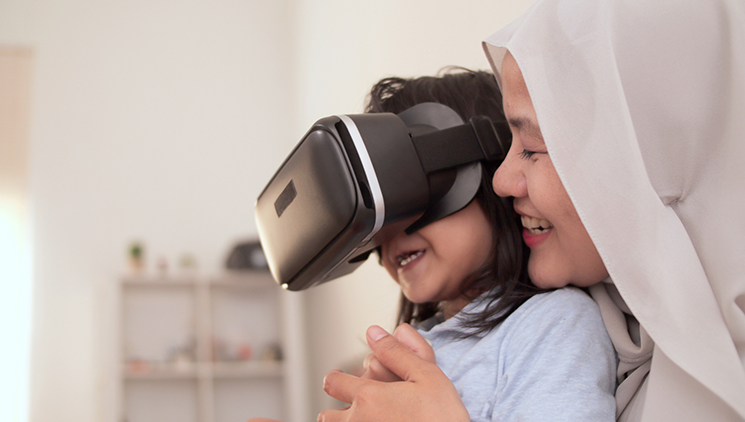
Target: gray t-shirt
(551,360)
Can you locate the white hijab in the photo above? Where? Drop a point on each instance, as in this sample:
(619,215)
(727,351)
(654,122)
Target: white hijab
(642,107)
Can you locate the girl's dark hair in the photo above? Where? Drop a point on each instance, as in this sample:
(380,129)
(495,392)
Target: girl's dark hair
(504,276)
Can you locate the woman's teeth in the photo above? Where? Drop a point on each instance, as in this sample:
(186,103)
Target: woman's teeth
(407,257)
(536,225)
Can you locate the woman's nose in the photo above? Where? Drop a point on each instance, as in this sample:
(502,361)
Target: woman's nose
(508,180)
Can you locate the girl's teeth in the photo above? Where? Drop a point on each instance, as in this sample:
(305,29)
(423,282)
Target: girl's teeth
(406,258)
(536,225)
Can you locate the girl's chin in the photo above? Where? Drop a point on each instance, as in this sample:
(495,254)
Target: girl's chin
(417,297)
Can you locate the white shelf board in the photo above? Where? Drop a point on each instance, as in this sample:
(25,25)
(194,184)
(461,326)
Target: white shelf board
(157,371)
(248,369)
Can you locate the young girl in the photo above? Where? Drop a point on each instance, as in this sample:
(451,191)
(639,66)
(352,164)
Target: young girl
(512,350)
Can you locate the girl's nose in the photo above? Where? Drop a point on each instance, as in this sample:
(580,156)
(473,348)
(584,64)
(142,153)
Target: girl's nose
(509,180)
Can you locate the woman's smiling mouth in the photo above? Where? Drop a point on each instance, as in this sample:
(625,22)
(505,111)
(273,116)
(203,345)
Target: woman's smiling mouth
(536,226)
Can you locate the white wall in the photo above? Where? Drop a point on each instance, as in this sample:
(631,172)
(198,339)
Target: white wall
(161,120)
(153,120)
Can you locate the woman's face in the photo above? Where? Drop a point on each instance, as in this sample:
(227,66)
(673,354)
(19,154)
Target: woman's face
(431,264)
(561,251)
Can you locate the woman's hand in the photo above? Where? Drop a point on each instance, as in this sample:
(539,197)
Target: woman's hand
(409,337)
(424,394)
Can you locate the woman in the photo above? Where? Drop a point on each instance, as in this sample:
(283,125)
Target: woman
(633,112)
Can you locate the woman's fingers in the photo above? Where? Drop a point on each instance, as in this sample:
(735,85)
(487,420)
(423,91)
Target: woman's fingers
(431,398)
(424,394)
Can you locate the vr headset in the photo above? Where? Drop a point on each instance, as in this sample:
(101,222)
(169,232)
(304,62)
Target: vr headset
(356,181)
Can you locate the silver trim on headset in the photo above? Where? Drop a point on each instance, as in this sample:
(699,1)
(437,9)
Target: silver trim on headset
(372,178)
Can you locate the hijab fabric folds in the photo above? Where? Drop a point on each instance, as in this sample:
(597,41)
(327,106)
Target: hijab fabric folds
(642,107)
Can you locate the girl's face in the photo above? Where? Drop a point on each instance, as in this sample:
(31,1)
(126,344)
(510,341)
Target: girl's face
(561,251)
(431,264)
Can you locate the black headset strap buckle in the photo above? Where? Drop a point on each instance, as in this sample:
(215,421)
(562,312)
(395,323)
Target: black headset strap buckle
(477,140)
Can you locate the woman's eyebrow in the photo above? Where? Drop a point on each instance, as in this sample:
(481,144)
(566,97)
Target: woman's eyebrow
(526,126)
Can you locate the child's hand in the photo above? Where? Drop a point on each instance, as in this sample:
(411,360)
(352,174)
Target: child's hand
(410,338)
(424,394)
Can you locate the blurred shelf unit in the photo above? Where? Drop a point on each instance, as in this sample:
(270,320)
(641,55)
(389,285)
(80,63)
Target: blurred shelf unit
(206,349)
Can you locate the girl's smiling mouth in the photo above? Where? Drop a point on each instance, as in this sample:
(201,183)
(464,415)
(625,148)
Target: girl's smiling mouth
(406,258)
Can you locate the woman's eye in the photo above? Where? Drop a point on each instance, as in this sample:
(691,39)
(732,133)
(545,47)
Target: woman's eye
(526,154)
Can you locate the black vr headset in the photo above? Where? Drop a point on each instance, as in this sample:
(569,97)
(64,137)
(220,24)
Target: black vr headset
(356,181)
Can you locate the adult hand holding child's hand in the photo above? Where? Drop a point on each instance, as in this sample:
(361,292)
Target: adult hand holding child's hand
(424,392)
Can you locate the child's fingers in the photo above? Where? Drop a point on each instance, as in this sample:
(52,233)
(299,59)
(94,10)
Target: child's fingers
(342,386)
(333,415)
(411,338)
(395,356)
(374,370)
